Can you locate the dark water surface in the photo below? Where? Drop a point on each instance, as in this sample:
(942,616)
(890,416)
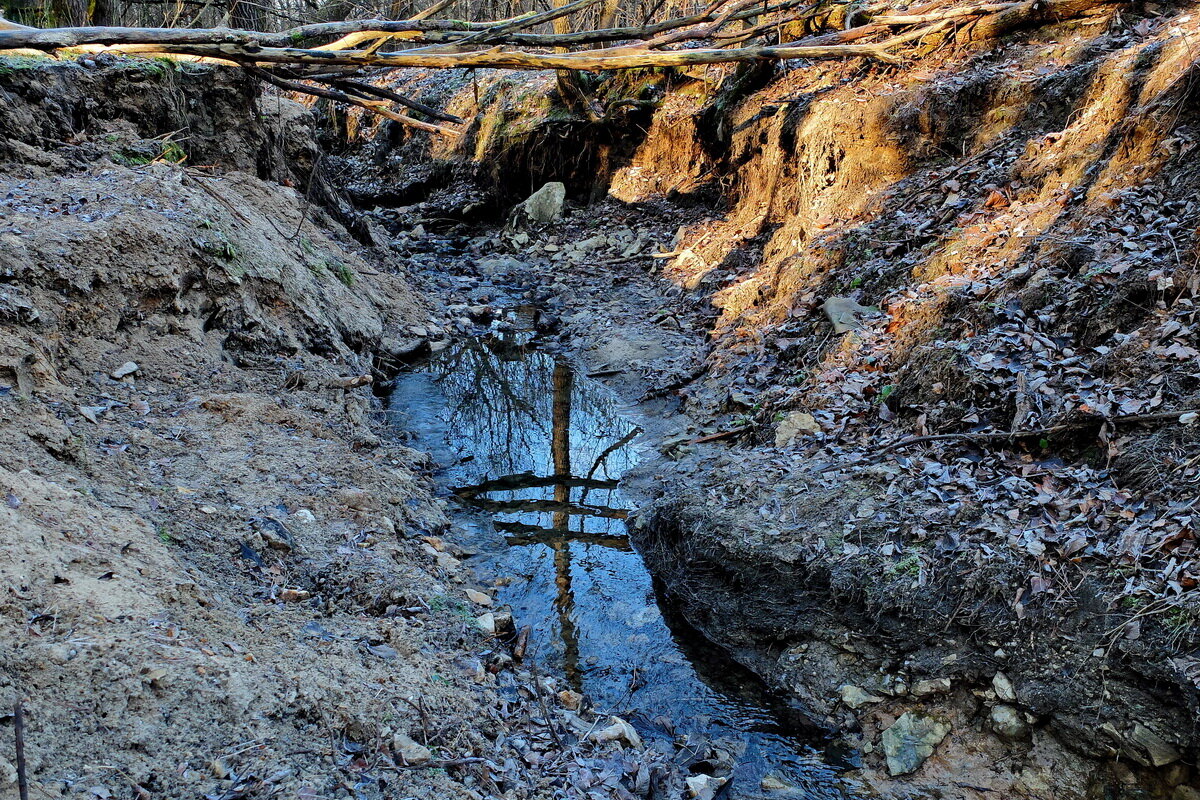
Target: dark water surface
(531,453)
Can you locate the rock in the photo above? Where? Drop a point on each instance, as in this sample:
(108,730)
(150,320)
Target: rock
(304,516)
(409,751)
(1004,688)
(592,243)
(930,686)
(1160,751)
(618,731)
(546,204)
(856,697)
(703,786)
(846,315)
(794,424)
(773,783)
(128,368)
(294,595)
(479,598)
(486,623)
(910,740)
(275,534)
(481,313)
(1009,723)
(570,700)
(1185,793)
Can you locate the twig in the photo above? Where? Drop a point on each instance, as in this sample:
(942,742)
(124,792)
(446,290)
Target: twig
(19,736)
(1127,419)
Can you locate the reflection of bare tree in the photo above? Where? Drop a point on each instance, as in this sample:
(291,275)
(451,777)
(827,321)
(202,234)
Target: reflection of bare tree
(560,449)
(523,416)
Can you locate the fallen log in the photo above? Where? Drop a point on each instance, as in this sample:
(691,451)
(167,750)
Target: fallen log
(728,31)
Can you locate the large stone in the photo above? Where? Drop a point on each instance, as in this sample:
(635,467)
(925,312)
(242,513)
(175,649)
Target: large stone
(546,204)
(910,740)
(1160,751)
(1009,723)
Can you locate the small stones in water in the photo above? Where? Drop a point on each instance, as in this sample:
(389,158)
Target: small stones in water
(773,783)
(856,697)
(910,740)
(126,369)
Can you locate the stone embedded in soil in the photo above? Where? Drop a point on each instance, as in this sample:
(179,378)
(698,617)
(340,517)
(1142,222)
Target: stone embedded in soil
(128,368)
(930,686)
(1004,688)
(275,534)
(910,740)
(1009,723)
(794,424)
(410,751)
(1160,751)
(856,697)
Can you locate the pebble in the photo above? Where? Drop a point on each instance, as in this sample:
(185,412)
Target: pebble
(1004,688)
(930,686)
(479,598)
(856,697)
(618,731)
(410,751)
(1009,723)
(128,368)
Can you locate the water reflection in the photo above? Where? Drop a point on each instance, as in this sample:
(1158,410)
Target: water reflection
(533,454)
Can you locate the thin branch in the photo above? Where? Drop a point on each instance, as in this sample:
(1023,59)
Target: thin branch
(342,97)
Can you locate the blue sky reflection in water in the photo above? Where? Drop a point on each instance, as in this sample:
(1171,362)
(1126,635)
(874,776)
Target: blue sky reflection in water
(534,452)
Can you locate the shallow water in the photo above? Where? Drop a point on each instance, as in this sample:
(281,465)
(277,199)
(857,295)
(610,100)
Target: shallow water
(531,453)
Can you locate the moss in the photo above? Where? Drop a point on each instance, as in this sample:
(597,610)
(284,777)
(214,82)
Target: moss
(12,64)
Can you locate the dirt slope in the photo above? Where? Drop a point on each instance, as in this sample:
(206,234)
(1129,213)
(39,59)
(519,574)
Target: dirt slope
(221,575)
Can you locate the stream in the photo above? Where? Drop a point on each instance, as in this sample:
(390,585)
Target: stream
(531,454)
